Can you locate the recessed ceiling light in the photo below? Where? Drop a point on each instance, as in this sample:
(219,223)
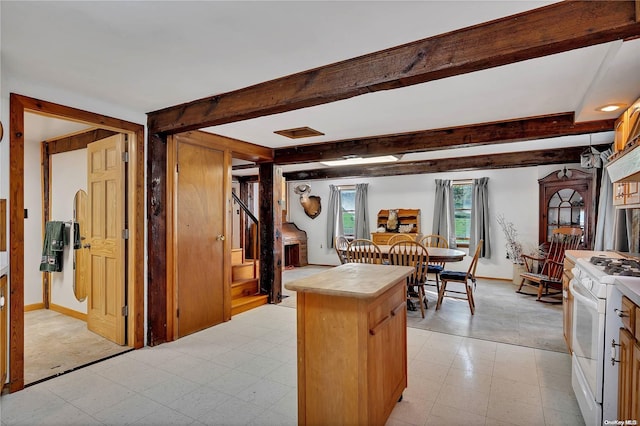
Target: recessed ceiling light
(299,132)
(359,160)
(609,107)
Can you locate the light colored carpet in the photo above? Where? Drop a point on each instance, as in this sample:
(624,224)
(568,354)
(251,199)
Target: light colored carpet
(55,343)
(502,315)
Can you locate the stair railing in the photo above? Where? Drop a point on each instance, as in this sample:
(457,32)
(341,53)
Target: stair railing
(253,232)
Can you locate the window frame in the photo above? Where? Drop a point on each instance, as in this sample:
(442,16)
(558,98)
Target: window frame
(347,188)
(461,182)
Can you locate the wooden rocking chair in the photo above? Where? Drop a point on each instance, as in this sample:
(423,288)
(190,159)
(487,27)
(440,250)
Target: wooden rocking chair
(546,272)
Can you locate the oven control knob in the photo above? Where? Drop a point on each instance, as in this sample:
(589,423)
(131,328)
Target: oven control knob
(576,272)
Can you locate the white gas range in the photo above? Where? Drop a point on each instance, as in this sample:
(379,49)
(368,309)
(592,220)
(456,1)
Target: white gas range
(595,325)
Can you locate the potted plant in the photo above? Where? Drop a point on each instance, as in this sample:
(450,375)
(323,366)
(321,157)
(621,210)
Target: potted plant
(513,246)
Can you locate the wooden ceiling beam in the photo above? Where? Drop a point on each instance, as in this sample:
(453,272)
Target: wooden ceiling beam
(77,141)
(558,27)
(517,130)
(440,165)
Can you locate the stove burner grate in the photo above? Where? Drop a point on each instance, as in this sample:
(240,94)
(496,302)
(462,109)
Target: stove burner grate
(616,266)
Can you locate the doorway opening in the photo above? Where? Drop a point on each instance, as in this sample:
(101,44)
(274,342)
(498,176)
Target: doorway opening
(134,257)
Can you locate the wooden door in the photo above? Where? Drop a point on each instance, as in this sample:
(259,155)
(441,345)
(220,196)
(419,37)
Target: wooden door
(105,228)
(200,236)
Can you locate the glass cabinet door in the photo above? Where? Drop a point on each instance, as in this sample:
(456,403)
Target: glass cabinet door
(565,208)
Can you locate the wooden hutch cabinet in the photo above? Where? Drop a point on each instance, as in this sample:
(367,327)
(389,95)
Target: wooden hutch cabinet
(568,200)
(406,217)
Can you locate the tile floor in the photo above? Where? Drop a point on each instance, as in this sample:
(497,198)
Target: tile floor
(244,372)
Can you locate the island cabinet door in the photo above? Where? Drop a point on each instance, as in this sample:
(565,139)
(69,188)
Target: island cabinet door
(387,349)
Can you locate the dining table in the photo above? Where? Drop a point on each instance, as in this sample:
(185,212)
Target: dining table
(436,254)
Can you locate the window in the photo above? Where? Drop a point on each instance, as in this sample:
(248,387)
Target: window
(462,190)
(348,203)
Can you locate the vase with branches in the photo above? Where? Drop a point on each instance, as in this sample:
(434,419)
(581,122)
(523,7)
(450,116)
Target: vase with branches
(513,246)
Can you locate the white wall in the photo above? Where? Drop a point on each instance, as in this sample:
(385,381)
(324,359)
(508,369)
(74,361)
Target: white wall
(68,175)
(512,193)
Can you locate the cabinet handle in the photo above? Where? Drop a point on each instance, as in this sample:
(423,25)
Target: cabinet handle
(372,331)
(394,312)
(620,313)
(613,352)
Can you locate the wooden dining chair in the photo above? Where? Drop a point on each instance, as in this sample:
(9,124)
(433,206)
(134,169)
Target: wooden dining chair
(341,244)
(545,273)
(400,237)
(412,253)
(434,268)
(362,250)
(468,279)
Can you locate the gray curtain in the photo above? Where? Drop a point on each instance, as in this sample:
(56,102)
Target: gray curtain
(480,218)
(361,222)
(606,212)
(334,216)
(443,214)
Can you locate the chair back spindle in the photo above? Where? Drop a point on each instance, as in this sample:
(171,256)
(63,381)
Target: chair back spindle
(412,253)
(363,251)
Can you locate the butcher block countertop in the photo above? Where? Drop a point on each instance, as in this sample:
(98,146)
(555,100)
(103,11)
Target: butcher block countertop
(358,280)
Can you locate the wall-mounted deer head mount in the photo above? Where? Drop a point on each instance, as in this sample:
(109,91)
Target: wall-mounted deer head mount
(310,203)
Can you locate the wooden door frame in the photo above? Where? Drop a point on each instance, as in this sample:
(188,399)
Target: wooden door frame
(20,104)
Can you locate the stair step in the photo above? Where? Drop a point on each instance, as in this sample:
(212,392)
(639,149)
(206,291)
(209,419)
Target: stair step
(244,304)
(237,256)
(243,271)
(241,288)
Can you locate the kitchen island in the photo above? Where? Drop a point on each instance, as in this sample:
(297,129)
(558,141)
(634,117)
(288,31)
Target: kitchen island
(352,343)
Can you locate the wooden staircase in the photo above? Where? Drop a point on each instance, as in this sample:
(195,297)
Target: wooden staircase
(245,286)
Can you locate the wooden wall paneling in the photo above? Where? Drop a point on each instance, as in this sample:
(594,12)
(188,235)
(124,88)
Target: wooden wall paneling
(517,130)
(157,239)
(548,30)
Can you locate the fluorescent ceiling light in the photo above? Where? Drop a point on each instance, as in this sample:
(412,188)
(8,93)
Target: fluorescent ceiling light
(359,160)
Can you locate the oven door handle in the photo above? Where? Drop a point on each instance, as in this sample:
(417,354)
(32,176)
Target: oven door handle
(578,294)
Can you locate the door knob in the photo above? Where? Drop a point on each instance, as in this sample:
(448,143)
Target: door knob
(220,238)
(86,246)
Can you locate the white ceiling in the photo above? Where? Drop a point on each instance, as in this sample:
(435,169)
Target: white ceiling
(149,55)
